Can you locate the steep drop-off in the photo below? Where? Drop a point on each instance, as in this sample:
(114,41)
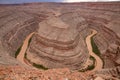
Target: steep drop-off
(60,33)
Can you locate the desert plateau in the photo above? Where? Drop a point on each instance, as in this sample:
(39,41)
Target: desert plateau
(60,41)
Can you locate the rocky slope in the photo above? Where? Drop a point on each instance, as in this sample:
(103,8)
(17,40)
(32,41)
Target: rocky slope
(59,39)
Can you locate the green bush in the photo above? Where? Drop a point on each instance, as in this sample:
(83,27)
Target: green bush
(39,66)
(92,58)
(29,41)
(34,64)
(17,52)
(25,56)
(19,49)
(82,70)
(94,47)
(97,52)
(91,67)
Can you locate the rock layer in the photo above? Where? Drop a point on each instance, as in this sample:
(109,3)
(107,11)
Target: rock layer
(60,32)
(57,45)
(14,28)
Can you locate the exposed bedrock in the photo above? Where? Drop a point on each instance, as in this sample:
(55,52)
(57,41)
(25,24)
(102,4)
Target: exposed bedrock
(60,39)
(60,32)
(58,45)
(108,43)
(114,72)
(14,28)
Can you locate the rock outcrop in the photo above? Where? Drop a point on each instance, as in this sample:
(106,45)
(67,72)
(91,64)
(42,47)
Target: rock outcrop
(57,44)
(59,39)
(15,26)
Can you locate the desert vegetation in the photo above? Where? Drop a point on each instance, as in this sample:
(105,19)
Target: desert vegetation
(17,52)
(95,48)
(89,67)
(39,66)
(59,41)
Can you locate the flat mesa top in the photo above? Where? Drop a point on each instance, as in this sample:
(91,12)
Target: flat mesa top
(55,29)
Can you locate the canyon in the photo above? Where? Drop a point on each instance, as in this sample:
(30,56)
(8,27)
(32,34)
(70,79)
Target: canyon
(60,41)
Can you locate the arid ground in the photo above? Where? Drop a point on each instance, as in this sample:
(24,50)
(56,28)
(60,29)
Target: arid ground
(60,41)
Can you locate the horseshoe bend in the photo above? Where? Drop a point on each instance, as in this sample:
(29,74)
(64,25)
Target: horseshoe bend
(60,41)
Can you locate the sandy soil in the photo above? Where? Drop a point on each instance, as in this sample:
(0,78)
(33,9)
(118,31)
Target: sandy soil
(20,57)
(98,63)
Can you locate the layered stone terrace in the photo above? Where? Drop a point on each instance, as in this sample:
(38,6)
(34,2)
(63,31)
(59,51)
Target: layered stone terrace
(65,29)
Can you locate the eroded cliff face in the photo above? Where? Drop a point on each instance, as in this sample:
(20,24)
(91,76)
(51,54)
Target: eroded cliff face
(60,33)
(15,26)
(108,43)
(57,44)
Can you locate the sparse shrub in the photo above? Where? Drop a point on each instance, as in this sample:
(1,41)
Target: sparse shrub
(17,52)
(29,41)
(94,47)
(96,50)
(39,66)
(90,67)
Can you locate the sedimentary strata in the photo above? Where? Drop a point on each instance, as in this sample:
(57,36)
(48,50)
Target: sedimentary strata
(57,45)
(60,33)
(14,28)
